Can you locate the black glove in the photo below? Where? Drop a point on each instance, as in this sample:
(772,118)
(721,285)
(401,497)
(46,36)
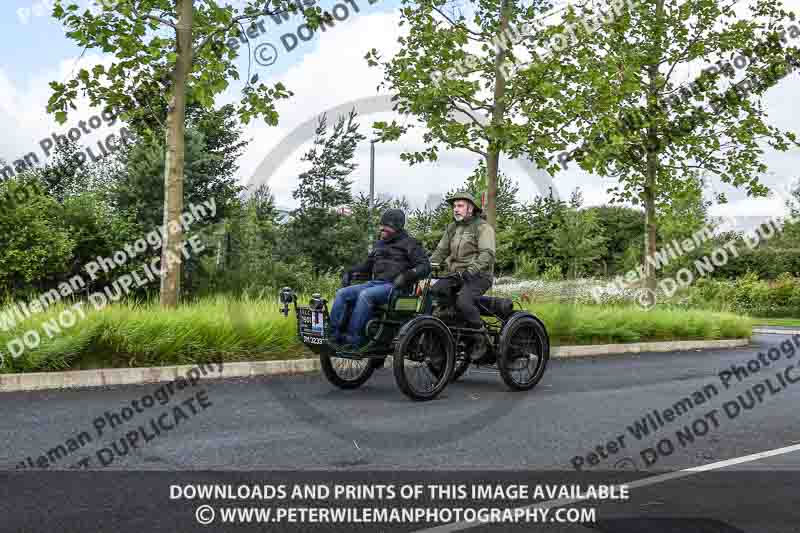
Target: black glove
(346,278)
(458,277)
(403,279)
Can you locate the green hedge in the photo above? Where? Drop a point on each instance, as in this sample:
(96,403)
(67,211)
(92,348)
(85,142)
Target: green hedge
(747,295)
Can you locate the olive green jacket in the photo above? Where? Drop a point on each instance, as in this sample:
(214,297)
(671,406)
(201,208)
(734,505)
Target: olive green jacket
(467,246)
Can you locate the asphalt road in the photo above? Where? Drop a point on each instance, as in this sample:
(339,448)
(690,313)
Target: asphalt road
(476,432)
(297,422)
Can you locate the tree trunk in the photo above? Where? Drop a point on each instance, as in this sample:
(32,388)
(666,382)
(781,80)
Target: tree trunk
(498,112)
(649,196)
(173,165)
(492,165)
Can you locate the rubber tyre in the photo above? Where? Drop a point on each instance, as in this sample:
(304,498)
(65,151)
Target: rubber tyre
(345,383)
(539,334)
(406,340)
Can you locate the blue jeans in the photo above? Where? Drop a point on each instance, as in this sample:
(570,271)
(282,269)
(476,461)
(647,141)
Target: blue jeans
(365,297)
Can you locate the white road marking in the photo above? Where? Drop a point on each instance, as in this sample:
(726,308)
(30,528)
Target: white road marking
(460,526)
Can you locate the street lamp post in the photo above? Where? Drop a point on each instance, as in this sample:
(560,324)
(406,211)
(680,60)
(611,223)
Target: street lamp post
(371,190)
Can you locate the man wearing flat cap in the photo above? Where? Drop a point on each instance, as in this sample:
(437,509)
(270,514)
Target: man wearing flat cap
(468,250)
(396,261)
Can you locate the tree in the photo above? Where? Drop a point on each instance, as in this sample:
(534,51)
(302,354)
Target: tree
(34,243)
(791,227)
(318,230)
(189,64)
(536,229)
(68,174)
(427,224)
(212,148)
(657,137)
(73,194)
(624,228)
(468,86)
(685,215)
(579,240)
(506,204)
(245,257)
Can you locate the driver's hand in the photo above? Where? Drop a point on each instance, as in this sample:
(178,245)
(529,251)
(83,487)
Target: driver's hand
(459,277)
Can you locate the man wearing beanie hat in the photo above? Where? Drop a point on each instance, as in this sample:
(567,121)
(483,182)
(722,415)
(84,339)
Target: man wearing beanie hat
(396,261)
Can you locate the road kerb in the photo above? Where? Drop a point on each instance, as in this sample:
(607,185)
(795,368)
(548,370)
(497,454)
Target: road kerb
(139,376)
(767,329)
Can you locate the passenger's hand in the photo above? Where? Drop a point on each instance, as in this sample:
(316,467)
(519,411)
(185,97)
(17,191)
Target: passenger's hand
(400,281)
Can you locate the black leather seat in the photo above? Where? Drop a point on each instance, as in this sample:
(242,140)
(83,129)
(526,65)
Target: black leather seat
(491,306)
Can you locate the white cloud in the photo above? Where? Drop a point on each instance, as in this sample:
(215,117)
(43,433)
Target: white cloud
(23,108)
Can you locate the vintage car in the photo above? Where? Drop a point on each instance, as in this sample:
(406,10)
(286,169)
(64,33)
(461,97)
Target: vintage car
(427,341)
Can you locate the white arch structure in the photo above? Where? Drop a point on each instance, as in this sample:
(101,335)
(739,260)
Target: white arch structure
(366,106)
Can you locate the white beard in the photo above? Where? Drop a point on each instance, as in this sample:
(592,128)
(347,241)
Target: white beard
(458,218)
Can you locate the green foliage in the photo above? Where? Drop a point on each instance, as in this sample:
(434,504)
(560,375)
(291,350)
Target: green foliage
(143,39)
(71,172)
(657,135)
(35,245)
(213,145)
(638,59)
(592,324)
(552,273)
(535,229)
(579,240)
(427,76)
(318,232)
(623,228)
(469,87)
(527,267)
(632,258)
(746,295)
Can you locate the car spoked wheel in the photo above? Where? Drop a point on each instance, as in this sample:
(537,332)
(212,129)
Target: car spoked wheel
(424,358)
(346,373)
(524,353)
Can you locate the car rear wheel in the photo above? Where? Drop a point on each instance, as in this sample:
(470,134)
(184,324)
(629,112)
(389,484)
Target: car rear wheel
(524,352)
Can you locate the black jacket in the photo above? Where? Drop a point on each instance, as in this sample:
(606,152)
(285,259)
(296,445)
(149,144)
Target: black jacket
(399,254)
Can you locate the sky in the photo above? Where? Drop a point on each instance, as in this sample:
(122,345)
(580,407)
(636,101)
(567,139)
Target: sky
(324,71)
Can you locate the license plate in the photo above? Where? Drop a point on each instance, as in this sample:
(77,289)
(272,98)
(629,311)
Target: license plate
(317,322)
(312,322)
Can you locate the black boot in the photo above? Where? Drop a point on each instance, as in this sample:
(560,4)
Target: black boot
(480,343)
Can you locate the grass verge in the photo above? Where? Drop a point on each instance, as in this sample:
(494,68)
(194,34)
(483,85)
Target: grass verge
(131,335)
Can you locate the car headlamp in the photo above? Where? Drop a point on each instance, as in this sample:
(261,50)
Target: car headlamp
(317,302)
(286,295)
